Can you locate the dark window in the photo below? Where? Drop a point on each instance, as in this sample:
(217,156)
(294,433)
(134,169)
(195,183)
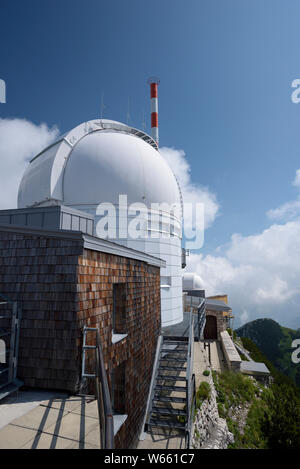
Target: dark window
(119,308)
(118,389)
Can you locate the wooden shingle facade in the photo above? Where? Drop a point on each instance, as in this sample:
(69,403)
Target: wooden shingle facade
(63,281)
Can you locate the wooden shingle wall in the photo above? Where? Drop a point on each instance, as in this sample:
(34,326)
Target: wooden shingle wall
(97,273)
(61,287)
(41,273)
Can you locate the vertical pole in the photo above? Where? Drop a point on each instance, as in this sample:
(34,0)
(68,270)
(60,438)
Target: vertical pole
(154,82)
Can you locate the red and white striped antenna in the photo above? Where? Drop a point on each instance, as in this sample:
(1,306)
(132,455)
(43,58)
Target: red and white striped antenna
(154,82)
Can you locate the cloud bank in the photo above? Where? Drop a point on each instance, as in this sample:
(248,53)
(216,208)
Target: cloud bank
(261,272)
(191,192)
(20,140)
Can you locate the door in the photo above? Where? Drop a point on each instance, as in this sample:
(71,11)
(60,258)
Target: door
(211,331)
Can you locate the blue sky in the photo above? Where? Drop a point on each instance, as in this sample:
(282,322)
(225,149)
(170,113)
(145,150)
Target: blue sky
(226,68)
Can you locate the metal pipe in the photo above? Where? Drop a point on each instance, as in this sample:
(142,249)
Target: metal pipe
(154,82)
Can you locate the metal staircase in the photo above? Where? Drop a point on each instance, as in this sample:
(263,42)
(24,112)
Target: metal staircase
(169,409)
(173,391)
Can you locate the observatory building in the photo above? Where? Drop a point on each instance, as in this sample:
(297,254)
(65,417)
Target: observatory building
(192,281)
(115,174)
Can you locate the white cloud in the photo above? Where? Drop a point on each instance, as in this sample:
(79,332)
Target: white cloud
(20,140)
(296,181)
(288,210)
(191,192)
(260,273)
(244,317)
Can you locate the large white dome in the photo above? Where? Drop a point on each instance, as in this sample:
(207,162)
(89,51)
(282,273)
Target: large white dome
(96,162)
(192,281)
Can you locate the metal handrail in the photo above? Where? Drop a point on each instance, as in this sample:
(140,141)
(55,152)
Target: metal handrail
(153,380)
(13,331)
(103,398)
(189,375)
(191,411)
(105,412)
(190,347)
(7,300)
(201,317)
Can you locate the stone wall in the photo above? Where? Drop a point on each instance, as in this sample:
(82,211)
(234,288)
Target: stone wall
(209,430)
(61,286)
(232,357)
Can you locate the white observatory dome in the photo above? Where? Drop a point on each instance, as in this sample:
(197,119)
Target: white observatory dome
(97,162)
(192,281)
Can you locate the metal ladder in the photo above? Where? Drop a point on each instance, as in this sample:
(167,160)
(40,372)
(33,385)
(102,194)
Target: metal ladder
(106,423)
(8,370)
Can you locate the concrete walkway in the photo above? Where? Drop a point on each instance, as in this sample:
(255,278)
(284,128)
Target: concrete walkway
(56,422)
(217,356)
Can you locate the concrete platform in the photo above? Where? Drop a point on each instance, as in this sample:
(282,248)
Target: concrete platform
(41,420)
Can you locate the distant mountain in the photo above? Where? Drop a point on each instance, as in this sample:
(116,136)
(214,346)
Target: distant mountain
(275,342)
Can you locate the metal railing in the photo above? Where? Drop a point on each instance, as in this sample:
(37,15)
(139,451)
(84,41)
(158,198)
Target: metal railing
(105,412)
(201,318)
(189,378)
(11,331)
(191,411)
(153,381)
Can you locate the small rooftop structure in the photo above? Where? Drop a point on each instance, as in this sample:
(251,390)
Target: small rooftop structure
(254,368)
(58,217)
(217,305)
(192,281)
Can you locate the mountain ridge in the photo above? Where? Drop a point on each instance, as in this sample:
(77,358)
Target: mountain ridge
(275,342)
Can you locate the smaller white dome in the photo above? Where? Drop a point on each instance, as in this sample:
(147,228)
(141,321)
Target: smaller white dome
(192,281)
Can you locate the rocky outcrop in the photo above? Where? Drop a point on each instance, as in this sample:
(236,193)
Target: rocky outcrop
(209,430)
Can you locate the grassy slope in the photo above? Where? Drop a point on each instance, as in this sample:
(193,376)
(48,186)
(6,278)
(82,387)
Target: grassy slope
(235,392)
(280,426)
(275,343)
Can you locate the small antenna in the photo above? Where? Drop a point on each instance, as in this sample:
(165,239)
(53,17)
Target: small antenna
(144,120)
(128,117)
(102,106)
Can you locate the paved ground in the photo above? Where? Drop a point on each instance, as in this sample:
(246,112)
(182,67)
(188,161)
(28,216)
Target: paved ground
(59,422)
(217,356)
(45,420)
(166,441)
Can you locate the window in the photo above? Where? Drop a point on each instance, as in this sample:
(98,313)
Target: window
(118,389)
(119,308)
